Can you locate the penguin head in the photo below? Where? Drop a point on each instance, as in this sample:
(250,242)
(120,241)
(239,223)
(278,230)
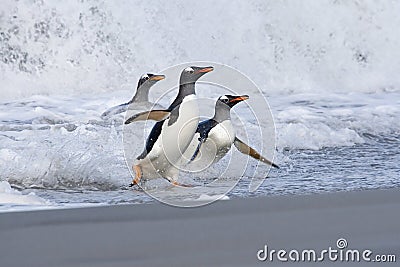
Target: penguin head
(192,74)
(145,83)
(224,104)
(231,100)
(149,79)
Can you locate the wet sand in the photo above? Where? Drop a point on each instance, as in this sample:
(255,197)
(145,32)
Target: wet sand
(226,233)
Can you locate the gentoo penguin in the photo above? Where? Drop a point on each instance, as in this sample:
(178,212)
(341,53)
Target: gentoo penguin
(140,99)
(214,137)
(173,132)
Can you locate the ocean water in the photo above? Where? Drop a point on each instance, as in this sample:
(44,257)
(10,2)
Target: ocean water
(331,80)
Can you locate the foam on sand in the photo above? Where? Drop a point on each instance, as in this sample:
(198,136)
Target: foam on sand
(9,196)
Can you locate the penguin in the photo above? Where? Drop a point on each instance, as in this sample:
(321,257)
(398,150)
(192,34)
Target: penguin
(214,137)
(141,98)
(172,133)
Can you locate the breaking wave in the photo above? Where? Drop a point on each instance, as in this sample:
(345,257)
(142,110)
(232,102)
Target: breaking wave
(331,78)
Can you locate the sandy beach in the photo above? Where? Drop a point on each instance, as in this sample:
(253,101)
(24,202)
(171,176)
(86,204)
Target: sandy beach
(226,233)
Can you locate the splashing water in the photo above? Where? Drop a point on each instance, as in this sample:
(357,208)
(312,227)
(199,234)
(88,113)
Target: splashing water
(330,78)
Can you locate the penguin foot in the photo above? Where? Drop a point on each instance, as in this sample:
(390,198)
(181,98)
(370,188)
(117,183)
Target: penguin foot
(175,183)
(138,175)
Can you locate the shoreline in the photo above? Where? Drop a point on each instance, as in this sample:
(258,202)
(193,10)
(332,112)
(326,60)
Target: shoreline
(226,233)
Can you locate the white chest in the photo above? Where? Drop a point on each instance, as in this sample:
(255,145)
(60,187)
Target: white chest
(218,143)
(175,138)
(222,137)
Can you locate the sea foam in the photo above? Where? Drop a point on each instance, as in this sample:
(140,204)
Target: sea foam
(330,77)
(101,46)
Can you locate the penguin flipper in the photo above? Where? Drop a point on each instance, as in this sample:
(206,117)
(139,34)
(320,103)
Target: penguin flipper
(201,141)
(203,129)
(115,110)
(156,115)
(247,150)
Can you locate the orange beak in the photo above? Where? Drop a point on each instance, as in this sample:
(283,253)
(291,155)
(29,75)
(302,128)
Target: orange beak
(205,70)
(157,78)
(240,98)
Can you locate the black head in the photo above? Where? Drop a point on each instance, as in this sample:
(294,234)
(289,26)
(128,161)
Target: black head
(192,74)
(231,100)
(149,79)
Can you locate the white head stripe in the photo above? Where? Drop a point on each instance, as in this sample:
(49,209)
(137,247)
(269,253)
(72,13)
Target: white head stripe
(189,69)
